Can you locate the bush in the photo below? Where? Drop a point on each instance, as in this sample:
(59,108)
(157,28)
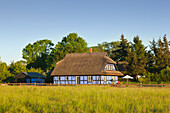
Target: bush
(141,80)
(165,74)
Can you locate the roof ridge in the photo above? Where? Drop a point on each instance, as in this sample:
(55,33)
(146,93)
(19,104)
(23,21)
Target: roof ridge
(80,54)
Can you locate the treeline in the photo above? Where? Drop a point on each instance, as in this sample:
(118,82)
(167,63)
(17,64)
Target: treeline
(41,56)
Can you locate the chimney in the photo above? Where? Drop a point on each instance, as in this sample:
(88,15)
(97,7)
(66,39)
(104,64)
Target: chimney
(90,50)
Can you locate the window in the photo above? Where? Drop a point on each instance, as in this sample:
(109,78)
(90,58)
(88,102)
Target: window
(55,78)
(62,78)
(114,69)
(81,77)
(81,82)
(102,78)
(73,77)
(28,80)
(35,80)
(69,77)
(85,77)
(94,78)
(85,82)
(110,67)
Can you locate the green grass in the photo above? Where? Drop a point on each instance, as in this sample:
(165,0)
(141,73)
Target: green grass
(83,99)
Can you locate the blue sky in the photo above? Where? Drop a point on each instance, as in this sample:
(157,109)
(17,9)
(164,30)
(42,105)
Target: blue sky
(97,21)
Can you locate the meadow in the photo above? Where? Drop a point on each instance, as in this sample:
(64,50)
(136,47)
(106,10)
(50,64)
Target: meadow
(83,99)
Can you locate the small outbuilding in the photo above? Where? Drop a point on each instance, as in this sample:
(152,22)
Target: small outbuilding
(30,77)
(86,68)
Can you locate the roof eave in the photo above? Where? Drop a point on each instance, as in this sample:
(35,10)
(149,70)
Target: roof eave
(107,74)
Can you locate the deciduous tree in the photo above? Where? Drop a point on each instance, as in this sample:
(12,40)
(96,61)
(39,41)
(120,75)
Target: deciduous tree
(72,43)
(4,72)
(37,54)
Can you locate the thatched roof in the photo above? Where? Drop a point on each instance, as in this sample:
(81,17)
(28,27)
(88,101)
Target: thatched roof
(29,74)
(84,64)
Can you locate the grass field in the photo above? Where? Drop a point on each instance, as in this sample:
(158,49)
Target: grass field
(83,99)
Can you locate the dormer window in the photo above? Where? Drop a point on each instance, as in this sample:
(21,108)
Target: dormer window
(110,67)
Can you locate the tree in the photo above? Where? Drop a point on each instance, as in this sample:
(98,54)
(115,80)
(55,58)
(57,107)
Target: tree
(110,47)
(38,70)
(166,45)
(18,67)
(165,74)
(107,47)
(159,55)
(166,50)
(136,57)
(122,53)
(72,43)
(37,54)
(4,72)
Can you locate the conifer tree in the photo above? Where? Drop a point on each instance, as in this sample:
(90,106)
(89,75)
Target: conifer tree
(166,45)
(160,58)
(136,57)
(166,51)
(122,53)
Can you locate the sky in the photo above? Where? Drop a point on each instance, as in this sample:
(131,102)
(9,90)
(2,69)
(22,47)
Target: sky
(26,21)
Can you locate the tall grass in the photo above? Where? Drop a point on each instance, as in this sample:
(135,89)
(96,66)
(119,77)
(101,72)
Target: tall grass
(83,99)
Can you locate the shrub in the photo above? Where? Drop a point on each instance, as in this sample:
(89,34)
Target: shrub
(165,74)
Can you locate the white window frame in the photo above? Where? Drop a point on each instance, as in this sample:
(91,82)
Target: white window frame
(66,78)
(105,78)
(110,67)
(58,78)
(89,79)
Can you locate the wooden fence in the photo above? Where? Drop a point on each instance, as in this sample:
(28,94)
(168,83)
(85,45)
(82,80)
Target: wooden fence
(112,85)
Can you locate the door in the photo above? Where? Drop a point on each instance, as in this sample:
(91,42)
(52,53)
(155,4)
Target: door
(77,79)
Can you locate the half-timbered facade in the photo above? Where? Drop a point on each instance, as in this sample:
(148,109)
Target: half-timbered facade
(86,68)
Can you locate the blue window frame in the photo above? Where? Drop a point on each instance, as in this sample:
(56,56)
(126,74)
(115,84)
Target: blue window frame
(81,82)
(73,78)
(27,80)
(81,77)
(85,77)
(69,77)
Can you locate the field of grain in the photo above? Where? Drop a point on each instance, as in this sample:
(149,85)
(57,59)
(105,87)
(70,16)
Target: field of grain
(83,99)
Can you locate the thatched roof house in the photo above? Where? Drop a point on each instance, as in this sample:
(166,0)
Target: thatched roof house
(85,64)
(82,67)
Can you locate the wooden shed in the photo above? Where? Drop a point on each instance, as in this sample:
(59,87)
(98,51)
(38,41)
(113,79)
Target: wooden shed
(30,77)
(86,68)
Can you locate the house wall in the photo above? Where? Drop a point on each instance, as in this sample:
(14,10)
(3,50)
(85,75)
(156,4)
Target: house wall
(35,80)
(85,79)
